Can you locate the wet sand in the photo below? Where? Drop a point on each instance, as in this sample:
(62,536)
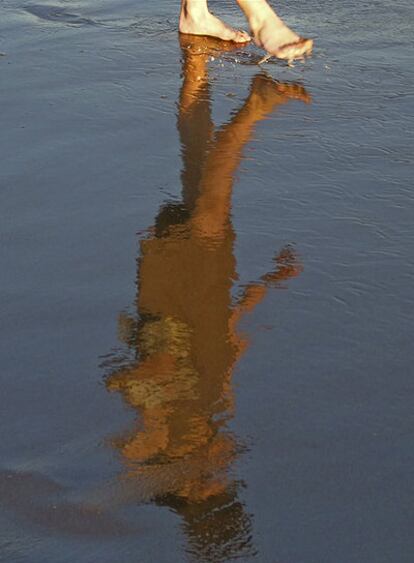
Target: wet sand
(207,273)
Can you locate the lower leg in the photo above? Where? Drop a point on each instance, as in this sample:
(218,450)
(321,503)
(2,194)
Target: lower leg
(195,19)
(271,33)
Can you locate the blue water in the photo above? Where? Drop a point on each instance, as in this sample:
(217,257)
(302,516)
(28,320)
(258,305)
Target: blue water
(286,437)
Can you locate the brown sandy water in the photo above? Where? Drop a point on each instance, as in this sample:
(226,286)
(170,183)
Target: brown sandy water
(206,274)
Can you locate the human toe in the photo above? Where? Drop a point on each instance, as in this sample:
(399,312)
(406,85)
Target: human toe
(241,36)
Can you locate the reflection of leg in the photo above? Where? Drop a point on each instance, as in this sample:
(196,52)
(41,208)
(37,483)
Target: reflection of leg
(213,206)
(271,33)
(194,122)
(195,19)
(195,52)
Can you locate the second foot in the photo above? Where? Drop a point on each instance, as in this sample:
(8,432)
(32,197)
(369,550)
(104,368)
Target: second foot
(272,35)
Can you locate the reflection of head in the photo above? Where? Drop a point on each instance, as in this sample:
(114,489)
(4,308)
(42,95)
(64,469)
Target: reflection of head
(217,528)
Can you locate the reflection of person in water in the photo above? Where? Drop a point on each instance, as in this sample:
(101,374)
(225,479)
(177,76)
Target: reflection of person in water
(185,332)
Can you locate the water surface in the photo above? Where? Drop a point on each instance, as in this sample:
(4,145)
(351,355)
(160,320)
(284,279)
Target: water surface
(206,288)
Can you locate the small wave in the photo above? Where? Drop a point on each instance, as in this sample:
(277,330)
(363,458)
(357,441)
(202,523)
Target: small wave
(57,14)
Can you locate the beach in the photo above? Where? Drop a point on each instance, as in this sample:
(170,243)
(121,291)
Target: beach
(207,287)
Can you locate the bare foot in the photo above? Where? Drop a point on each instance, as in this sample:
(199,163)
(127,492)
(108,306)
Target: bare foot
(271,33)
(197,20)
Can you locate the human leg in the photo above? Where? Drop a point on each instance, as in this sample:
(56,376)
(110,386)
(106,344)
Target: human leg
(271,33)
(196,19)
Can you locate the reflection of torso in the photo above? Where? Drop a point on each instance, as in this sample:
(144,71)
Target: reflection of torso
(189,282)
(187,349)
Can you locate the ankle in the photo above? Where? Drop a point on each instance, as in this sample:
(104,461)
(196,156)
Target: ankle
(260,15)
(193,9)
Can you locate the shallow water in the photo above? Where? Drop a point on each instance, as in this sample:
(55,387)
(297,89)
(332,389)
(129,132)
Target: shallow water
(207,274)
